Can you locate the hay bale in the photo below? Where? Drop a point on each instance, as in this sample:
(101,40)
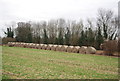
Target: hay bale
(27,45)
(49,47)
(64,48)
(44,46)
(15,44)
(30,45)
(24,45)
(76,49)
(70,49)
(40,46)
(37,46)
(58,48)
(19,44)
(90,50)
(33,45)
(10,44)
(83,49)
(54,47)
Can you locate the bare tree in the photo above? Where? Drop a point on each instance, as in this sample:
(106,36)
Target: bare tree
(104,20)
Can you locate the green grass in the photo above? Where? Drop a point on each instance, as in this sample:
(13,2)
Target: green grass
(26,63)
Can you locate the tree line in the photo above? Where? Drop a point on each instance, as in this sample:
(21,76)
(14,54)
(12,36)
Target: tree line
(68,32)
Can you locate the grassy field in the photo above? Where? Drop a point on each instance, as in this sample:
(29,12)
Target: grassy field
(26,63)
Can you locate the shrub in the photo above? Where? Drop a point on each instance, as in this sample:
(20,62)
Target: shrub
(5,40)
(110,47)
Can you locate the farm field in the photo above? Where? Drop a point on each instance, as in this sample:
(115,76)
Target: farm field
(27,63)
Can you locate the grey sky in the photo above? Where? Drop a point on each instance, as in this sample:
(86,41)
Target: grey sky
(37,10)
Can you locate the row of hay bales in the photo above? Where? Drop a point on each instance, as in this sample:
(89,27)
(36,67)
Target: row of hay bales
(62,48)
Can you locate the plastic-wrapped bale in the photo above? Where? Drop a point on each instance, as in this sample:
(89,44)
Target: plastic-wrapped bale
(10,44)
(30,45)
(37,46)
(76,49)
(16,44)
(58,48)
(90,50)
(40,46)
(44,46)
(33,45)
(70,49)
(49,47)
(24,45)
(27,45)
(83,50)
(54,47)
(64,48)
(20,44)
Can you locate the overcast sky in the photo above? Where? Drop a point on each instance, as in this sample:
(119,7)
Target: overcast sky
(37,10)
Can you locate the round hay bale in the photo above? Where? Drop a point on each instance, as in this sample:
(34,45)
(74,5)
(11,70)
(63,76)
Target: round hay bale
(90,50)
(76,49)
(64,48)
(33,45)
(58,48)
(70,49)
(30,45)
(54,47)
(27,45)
(49,47)
(24,45)
(14,44)
(10,44)
(44,46)
(83,49)
(37,46)
(17,44)
(40,46)
(20,44)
